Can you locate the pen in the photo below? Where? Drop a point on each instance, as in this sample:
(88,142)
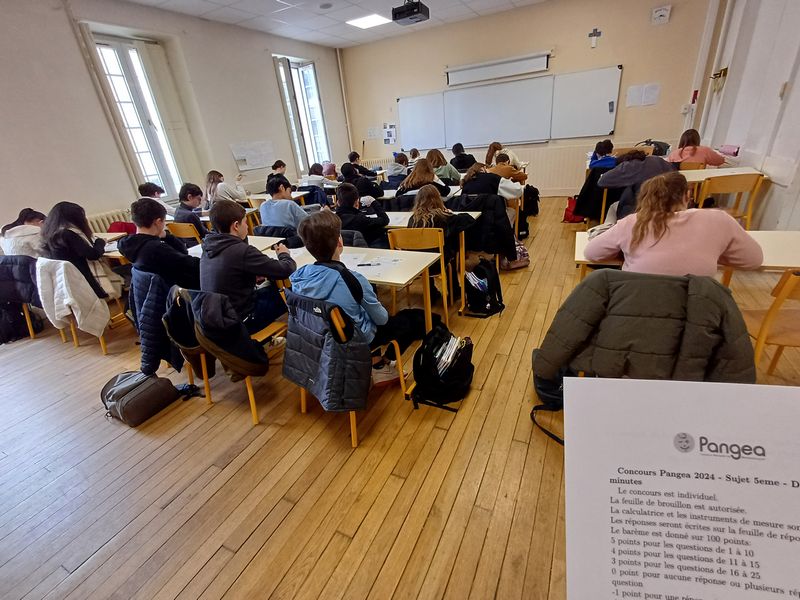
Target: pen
(366,265)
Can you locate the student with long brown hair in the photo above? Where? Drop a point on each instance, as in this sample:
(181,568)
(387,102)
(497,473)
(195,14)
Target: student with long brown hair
(443,169)
(666,238)
(217,189)
(477,180)
(690,150)
(496,148)
(422,174)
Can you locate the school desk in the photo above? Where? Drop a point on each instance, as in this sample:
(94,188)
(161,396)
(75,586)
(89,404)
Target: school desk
(109,237)
(393,193)
(699,175)
(295,196)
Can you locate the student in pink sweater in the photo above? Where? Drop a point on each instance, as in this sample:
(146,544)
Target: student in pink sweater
(690,150)
(665,238)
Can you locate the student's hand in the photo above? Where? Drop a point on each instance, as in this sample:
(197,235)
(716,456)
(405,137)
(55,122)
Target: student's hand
(280,248)
(367,200)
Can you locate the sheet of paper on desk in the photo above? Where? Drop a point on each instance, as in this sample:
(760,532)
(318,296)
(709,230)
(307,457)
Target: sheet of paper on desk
(111,247)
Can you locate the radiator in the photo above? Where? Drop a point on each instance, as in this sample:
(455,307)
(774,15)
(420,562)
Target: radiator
(100,222)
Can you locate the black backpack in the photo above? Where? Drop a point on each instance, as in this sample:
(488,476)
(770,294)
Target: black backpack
(12,322)
(551,393)
(486,298)
(436,389)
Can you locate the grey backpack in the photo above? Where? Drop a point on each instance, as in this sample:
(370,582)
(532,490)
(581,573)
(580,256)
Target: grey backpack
(133,397)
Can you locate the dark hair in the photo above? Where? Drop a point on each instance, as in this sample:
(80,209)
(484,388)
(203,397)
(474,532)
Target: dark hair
(502,157)
(353,156)
(315,169)
(458,148)
(494,148)
(349,171)
(690,137)
(401,159)
(320,233)
(189,189)
(145,211)
(64,215)
(413,153)
(603,148)
(275,184)
(347,195)
(278,164)
(150,189)
(25,215)
(472,172)
(632,155)
(225,213)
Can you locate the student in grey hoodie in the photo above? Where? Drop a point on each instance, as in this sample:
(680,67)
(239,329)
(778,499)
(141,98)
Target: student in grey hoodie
(632,170)
(231,266)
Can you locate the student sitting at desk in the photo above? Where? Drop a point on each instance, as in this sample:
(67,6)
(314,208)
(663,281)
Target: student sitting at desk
(632,170)
(602,157)
(231,266)
(155,191)
(191,197)
(370,220)
(461,160)
(495,148)
(413,157)
(421,175)
(397,171)
(280,210)
(329,170)
(478,180)
(355,160)
(321,234)
(278,168)
(154,250)
(365,185)
(24,235)
(665,238)
(217,189)
(690,150)
(314,177)
(446,172)
(504,168)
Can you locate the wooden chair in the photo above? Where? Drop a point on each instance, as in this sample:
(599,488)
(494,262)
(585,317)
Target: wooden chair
(27,313)
(691,166)
(339,327)
(734,184)
(185,231)
(776,326)
(423,238)
(74,332)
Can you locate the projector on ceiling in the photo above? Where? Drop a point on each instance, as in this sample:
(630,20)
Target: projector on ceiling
(411,13)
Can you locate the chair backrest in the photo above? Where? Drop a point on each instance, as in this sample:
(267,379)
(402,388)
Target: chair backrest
(691,166)
(255,202)
(624,150)
(354,239)
(787,288)
(416,238)
(184,230)
(274,231)
(731,184)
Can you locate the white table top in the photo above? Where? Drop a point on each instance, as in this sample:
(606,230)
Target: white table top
(781,248)
(109,237)
(295,196)
(261,243)
(400,218)
(204,216)
(393,193)
(697,175)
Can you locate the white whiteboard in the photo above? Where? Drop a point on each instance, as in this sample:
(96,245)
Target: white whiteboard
(585,103)
(515,111)
(421,121)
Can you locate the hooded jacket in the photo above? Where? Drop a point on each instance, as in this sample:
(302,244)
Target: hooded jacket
(166,257)
(631,174)
(323,283)
(148,300)
(462,162)
(22,240)
(371,221)
(622,324)
(18,280)
(230,266)
(492,233)
(365,186)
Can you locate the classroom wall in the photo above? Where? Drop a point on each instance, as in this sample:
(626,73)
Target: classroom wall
(415,64)
(61,142)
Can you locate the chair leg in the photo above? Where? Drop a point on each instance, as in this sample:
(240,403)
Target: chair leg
(303,401)
(206,382)
(27,314)
(103,346)
(774,362)
(353,429)
(189,374)
(394,301)
(444,300)
(74,331)
(248,381)
(63,335)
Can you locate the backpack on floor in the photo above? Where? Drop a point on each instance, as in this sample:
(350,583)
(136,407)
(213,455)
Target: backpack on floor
(133,397)
(12,322)
(569,212)
(551,394)
(522,261)
(443,368)
(482,291)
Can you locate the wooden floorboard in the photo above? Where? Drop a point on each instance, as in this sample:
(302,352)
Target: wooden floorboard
(199,503)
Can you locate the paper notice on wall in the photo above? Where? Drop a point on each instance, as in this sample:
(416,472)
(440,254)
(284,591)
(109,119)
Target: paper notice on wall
(634,96)
(253,155)
(643,95)
(675,491)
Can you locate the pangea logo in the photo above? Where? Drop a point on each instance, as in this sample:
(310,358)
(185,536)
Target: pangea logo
(684,442)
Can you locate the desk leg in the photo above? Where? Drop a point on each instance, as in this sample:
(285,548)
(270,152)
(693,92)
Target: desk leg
(426,294)
(727,274)
(583,270)
(462,269)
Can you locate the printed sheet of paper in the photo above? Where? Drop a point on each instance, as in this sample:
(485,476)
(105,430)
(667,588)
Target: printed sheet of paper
(252,155)
(681,490)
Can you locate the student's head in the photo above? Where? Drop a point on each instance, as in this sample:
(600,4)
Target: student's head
(413,153)
(329,169)
(149,216)
(228,216)
(347,196)
(632,155)
(321,234)
(65,215)
(191,195)
(27,216)
(213,179)
(315,169)
(421,174)
(428,205)
(690,137)
(494,148)
(279,188)
(603,148)
(502,159)
(436,158)
(279,167)
(349,172)
(150,190)
(458,148)
(472,172)
(354,157)
(659,197)
(401,159)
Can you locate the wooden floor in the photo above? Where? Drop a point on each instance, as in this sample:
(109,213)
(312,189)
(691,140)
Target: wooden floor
(198,503)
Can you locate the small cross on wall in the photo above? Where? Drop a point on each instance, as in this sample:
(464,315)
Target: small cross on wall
(595,33)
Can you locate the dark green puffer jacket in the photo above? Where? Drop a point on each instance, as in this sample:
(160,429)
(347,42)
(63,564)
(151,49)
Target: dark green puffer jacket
(621,324)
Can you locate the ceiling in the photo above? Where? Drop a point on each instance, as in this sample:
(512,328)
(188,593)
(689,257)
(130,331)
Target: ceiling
(306,20)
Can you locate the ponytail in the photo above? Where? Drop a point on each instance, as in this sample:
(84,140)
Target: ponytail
(25,215)
(659,197)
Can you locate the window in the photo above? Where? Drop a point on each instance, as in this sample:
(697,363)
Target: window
(300,92)
(123,67)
